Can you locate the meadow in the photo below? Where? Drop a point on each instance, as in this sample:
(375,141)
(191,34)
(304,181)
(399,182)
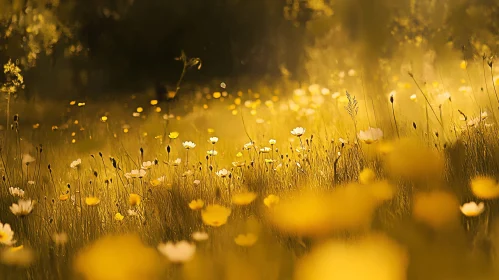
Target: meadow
(302,182)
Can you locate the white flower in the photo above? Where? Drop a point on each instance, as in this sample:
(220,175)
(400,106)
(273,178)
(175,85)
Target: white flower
(136,174)
(22,208)
(31,182)
(16,192)
(213,140)
(197,182)
(212,153)
(471,209)
(60,238)
(188,145)
(222,173)
(147,164)
(265,150)
(272,141)
(441,98)
(132,213)
(370,135)
(27,159)
(199,236)
(179,252)
(6,234)
(75,163)
(177,162)
(298,131)
(248,146)
(161,179)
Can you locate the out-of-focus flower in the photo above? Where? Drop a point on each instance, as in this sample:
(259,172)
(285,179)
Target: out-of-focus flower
(367,176)
(75,163)
(213,140)
(6,235)
(212,153)
(265,150)
(471,209)
(134,199)
(370,135)
(177,162)
(196,204)
(248,146)
(485,188)
(188,145)
(30,182)
(197,182)
(215,215)
(132,213)
(272,141)
(16,192)
(118,258)
(17,256)
(271,201)
(244,198)
(200,236)
(27,159)
(246,240)
(60,238)
(298,131)
(147,164)
(119,217)
(173,135)
(437,209)
(222,173)
(136,173)
(373,257)
(92,201)
(64,197)
(179,252)
(22,208)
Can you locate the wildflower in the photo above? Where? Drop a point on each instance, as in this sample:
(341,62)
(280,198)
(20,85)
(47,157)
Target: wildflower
(243,198)
(222,173)
(132,213)
(197,182)
(135,174)
(173,135)
(370,135)
(272,141)
(298,131)
(212,153)
(269,160)
(64,197)
(16,192)
(147,164)
(6,235)
(213,140)
(27,159)
(215,215)
(179,252)
(199,236)
(265,150)
(30,182)
(246,240)
(22,208)
(187,173)
(92,201)
(60,238)
(238,163)
(471,209)
(119,217)
(239,154)
(437,209)
(248,146)
(118,257)
(188,145)
(75,163)
(196,204)
(367,176)
(485,188)
(271,201)
(17,256)
(177,162)
(134,199)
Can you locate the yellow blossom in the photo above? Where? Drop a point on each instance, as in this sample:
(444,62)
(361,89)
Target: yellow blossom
(243,198)
(271,200)
(215,215)
(92,201)
(118,217)
(196,204)
(134,199)
(246,240)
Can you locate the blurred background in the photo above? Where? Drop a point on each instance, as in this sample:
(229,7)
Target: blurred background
(96,48)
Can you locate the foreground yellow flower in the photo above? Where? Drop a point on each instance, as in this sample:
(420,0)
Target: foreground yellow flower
(485,188)
(271,201)
(173,135)
(119,217)
(215,215)
(134,199)
(118,258)
(196,204)
(437,209)
(64,197)
(92,201)
(471,209)
(367,176)
(246,240)
(244,198)
(372,257)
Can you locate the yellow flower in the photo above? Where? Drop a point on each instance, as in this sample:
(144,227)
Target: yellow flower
(119,217)
(91,201)
(485,188)
(64,197)
(173,135)
(196,204)
(155,182)
(134,199)
(215,215)
(244,198)
(118,258)
(367,176)
(271,201)
(437,209)
(246,240)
